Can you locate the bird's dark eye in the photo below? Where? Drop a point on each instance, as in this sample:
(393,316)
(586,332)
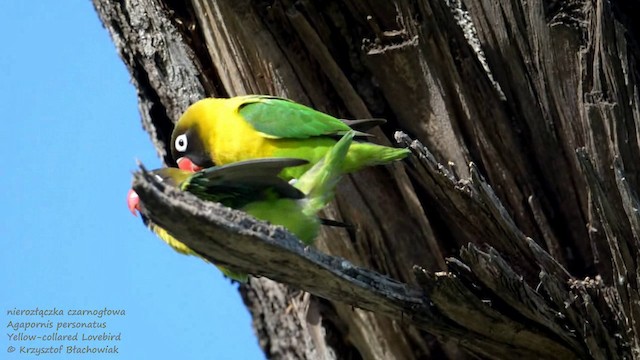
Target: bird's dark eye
(181,143)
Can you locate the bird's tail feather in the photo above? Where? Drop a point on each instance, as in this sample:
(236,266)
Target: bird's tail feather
(320,181)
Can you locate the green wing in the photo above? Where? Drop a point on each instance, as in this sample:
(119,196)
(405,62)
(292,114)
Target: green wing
(319,182)
(237,184)
(282,118)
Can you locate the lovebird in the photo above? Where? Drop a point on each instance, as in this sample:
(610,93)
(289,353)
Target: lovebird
(254,186)
(221,131)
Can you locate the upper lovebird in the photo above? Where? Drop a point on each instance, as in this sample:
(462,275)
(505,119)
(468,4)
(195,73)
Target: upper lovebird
(254,186)
(222,131)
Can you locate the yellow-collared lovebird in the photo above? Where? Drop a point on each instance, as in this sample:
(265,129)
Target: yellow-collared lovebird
(234,185)
(253,186)
(222,131)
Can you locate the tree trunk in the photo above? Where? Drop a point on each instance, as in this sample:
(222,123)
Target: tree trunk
(522,177)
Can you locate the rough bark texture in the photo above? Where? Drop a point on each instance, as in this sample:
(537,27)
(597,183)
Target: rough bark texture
(539,97)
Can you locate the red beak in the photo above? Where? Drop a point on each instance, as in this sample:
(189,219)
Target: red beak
(133,202)
(184,163)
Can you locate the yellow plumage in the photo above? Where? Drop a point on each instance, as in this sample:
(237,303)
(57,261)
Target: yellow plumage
(239,141)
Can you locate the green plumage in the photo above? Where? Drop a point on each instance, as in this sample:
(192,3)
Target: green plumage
(319,182)
(238,184)
(254,186)
(281,118)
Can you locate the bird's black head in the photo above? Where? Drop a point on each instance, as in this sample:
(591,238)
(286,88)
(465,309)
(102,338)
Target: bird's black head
(188,149)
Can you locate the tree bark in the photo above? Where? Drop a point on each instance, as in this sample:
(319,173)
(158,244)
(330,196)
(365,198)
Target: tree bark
(540,98)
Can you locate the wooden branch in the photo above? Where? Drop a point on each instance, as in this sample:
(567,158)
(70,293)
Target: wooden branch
(237,240)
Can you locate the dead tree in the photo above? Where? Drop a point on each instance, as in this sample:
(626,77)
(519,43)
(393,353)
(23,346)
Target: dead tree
(513,230)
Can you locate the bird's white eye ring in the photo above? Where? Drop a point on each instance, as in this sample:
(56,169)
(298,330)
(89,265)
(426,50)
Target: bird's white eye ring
(181,143)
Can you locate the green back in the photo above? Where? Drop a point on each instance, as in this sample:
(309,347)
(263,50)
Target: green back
(282,118)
